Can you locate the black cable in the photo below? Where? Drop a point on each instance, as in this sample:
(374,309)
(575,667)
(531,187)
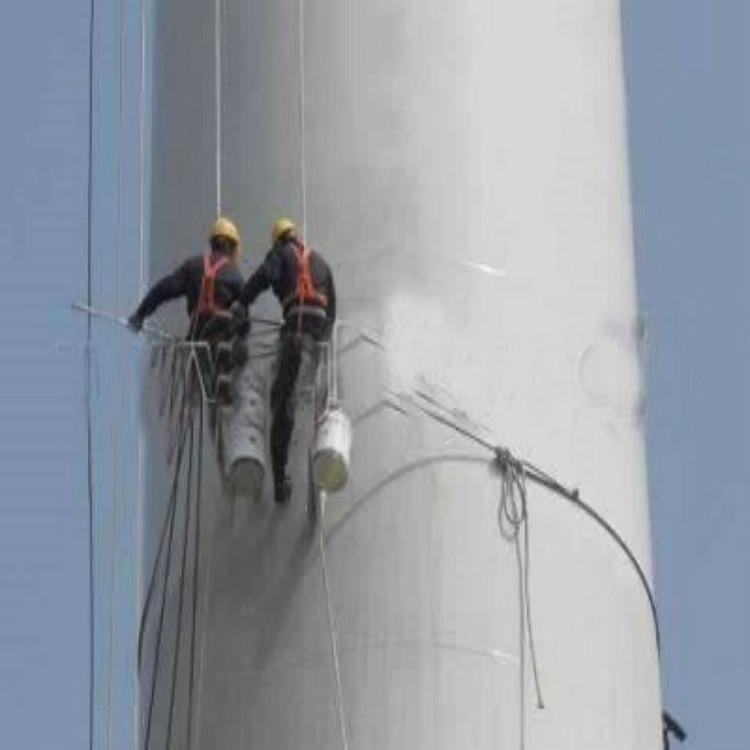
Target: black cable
(196,566)
(181,597)
(162,537)
(534,474)
(542,478)
(160,628)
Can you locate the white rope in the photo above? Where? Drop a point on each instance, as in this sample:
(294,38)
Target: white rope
(513,521)
(333,635)
(217,104)
(303,148)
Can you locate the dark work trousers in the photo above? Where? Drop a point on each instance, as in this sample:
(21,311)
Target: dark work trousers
(283,404)
(213,330)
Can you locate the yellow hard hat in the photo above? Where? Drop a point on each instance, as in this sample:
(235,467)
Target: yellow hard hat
(224,227)
(282,227)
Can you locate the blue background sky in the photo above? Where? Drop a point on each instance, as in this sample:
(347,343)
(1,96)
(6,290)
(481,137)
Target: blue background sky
(689,102)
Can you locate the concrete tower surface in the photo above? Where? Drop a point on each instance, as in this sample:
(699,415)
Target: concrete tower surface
(463,167)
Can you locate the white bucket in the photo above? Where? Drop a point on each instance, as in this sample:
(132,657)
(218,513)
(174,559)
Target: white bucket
(333,445)
(246,477)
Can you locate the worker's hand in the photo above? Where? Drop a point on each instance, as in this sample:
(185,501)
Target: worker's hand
(238,310)
(240,318)
(135,322)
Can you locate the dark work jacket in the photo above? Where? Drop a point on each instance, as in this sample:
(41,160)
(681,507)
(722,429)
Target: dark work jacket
(186,282)
(279,272)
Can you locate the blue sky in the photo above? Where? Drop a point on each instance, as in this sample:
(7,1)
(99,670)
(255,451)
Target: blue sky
(689,104)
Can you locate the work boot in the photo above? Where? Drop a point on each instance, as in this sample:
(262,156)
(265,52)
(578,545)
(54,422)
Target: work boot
(282,489)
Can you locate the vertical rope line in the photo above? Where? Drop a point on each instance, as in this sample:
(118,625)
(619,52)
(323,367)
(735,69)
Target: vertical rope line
(181,597)
(202,640)
(141,285)
(333,635)
(521,646)
(88,375)
(303,146)
(142,152)
(196,568)
(162,544)
(115,446)
(160,627)
(217,103)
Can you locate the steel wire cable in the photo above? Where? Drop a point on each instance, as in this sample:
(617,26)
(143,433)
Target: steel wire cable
(538,476)
(196,567)
(160,627)
(181,596)
(168,516)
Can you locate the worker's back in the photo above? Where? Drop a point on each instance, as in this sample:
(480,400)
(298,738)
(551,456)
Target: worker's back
(226,287)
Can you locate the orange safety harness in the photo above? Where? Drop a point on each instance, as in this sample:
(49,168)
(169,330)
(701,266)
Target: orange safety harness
(207,302)
(306,293)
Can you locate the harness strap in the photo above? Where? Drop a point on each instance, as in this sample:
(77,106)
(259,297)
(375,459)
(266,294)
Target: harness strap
(306,293)
(207,303)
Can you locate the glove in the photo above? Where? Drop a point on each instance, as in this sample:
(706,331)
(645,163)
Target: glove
(135,322)
(238,310)
(240,318)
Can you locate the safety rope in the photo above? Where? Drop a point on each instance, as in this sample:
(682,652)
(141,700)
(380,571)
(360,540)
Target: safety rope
(88,376)
(160,626)
(333,636)
(114,448)
(141,285)
(217,102)
(196,567)
(181,596)
(202,640)
(167,523)
(302,131)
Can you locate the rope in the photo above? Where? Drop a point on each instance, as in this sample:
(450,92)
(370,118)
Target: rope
(204,609)
(88,375)
(333,635)
(534,474)
(196,566)
(183,568)
(513,521)
(160,628)
(217,104)
(303,148)
(141,286)
(114,452)
(167,523)
(142,153)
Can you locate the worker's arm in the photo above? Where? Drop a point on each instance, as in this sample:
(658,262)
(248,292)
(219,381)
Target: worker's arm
(170,287)
(265,276)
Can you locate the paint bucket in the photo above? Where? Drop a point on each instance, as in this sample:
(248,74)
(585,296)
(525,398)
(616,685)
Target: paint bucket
(331,454)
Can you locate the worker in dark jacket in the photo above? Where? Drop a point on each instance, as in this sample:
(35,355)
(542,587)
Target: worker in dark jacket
(210,283)
(303,283)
